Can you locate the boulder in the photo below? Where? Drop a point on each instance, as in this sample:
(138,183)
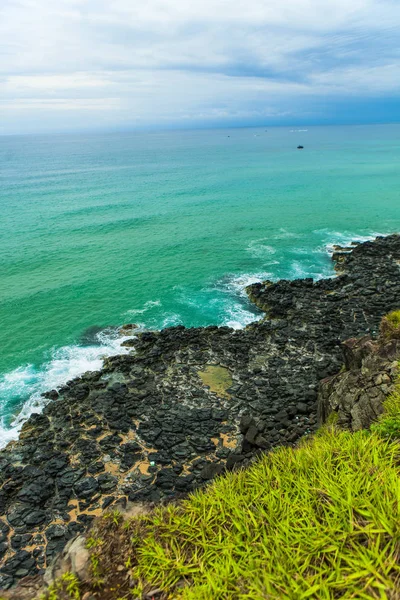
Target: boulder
(357,394)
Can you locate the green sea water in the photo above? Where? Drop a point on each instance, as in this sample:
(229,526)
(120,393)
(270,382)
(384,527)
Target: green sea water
(164,228)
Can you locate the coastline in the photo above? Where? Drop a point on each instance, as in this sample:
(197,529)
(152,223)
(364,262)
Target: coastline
(26,384)
(187,405)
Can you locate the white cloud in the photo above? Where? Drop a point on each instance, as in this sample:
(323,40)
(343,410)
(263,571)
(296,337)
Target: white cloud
(61,104)
(170,60)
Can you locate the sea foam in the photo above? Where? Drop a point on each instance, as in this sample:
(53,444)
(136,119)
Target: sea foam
(22,388)
(259,249)
(29,383)
(237,316)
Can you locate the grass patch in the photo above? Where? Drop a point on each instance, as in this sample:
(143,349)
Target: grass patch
(388,424)
(68,587)
(321,521)
(218,379)
(390,325)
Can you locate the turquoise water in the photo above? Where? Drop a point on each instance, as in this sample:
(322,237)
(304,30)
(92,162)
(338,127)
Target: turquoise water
(166,228)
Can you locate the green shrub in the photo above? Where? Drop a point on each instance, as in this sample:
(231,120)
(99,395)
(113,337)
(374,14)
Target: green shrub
(390,325)
(391,405)
(332,418)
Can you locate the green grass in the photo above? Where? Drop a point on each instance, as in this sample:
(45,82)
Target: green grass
(390,325)
(320,521)
(68,586)
(388,425)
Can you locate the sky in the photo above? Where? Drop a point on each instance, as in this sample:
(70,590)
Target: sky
(70,65)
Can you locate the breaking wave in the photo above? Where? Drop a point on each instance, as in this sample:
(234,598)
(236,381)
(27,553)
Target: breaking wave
(222,302)
(22,388)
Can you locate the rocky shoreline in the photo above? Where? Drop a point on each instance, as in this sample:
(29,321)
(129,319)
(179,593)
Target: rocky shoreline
(185,405)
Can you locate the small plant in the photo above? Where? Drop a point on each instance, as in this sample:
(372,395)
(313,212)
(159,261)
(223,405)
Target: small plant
(94,542)
(71,584)
(390,325)
(128,563)
(137,591)
(388,424)
(387,428)
(65,587)
(114,516)
(95,562)
(332,418)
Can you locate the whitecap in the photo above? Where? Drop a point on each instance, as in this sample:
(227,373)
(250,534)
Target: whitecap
(332,238)
(237,316)
(147,306)
(236,284)
(300,270)
(284,233)
(171,320)
(258,249)
(305,251)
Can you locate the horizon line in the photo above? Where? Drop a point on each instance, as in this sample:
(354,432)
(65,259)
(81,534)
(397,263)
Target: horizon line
(174,128)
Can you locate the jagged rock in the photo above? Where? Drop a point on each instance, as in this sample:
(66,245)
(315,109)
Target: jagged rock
(128,329)
(357,394)
(86,487)
(146,427)
(211,470)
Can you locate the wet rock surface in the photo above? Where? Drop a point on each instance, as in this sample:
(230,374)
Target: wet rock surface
(183,406)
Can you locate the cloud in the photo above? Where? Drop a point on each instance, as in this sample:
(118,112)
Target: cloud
(172,61)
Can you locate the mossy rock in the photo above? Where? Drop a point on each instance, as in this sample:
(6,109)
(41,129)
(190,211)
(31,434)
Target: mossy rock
(390,326)
(218,379)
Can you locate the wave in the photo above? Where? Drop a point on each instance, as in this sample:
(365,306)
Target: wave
(284,233)
(300,250)
(299,270)
(258,249)
(236,284)
(331,238)
(238,316)
(96,209)
(29,382)
(147,306)
(222,302)
(237,310)
(171,320)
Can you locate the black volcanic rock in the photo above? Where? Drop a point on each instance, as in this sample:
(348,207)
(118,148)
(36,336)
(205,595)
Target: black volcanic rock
(186,404)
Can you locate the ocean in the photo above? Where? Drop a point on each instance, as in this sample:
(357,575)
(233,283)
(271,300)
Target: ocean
(166,228)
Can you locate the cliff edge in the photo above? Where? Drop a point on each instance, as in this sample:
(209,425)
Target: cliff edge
(183,406)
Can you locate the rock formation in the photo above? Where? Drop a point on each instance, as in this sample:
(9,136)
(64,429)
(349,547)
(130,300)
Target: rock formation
(184,405)
(356,395)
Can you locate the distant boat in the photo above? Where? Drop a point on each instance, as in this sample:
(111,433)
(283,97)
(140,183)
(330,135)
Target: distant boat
(300,147)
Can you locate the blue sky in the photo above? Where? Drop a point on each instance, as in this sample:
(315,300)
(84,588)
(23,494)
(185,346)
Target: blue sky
(123,64)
